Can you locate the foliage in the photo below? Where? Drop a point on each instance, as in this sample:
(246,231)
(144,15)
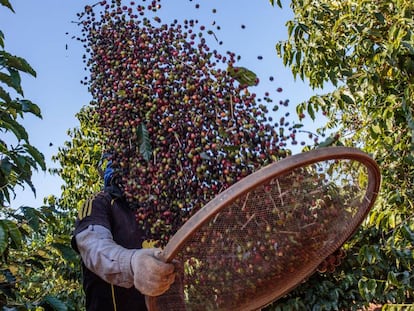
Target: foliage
(36,265)
(365,49)
(48,269)
(43,271)
(79,162)
(16,162)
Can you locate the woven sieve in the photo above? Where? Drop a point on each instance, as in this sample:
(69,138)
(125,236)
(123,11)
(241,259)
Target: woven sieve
(266,234)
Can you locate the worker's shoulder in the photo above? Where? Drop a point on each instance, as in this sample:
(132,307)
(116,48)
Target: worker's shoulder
(97,202)
(107,199)
(100,197)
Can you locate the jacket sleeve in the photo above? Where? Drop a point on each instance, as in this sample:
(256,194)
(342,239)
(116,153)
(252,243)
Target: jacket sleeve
(104,257)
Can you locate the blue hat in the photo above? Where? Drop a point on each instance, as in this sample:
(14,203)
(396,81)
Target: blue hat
(109,172)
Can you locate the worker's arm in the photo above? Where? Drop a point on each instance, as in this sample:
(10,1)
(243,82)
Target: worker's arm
(123,267)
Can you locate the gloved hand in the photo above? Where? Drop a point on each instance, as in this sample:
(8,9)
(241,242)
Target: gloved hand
(152,277)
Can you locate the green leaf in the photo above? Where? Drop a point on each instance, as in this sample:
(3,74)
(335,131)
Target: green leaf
(279,3)
(54,303)
(3,238)
(299,109)
(4,95)
(1,39)
(4,195)
(392,278)
(328,141)
(13,80)
(122,93)
(369,253)
(371,286)
(367,288)
(380,17)
(407,233)
(376,128)
(389,124)
(32,217)
(15,62)
(347,97)
(28,106)
(243,75)
(49,213)
(272,3)
(311,111)
(144,142)
(6,167)
(65,251)
(29,182)
(231,148)
(391,220)
(408,46)
(303,27)
(13,232)
(7,4)
(37,155)
(12,125)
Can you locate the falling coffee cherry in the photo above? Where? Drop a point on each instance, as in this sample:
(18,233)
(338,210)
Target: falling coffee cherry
(180,128)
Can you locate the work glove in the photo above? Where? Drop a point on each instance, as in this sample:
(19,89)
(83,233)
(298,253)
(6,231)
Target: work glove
(152,276)
(173,298)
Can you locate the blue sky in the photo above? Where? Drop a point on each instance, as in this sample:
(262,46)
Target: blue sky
(41,32)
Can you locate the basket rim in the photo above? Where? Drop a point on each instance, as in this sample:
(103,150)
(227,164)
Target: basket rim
(261,176)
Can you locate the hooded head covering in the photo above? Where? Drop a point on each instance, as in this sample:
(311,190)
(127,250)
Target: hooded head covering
(110,184)
(108,174)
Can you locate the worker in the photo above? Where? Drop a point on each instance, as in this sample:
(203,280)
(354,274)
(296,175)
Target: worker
(117,271)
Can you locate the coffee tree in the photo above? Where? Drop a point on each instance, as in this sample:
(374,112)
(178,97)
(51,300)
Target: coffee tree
(78,162)
(365,50)
(31,253)
(18,161)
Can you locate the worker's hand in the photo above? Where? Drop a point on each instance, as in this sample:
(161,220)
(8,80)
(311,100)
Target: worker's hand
(152,277)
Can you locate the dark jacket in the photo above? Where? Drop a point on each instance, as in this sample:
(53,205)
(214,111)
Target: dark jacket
(114,214)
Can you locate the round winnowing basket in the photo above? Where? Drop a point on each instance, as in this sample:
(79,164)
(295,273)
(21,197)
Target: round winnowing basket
(260,238)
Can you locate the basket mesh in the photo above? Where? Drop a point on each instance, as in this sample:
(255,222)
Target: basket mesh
(270,239)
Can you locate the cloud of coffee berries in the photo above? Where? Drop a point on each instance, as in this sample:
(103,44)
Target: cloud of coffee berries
(179,118)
